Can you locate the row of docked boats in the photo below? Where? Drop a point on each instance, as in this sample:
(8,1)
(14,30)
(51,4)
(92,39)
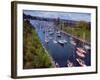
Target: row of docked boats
(71,64)
(85,46)
(79,60)
(81,54)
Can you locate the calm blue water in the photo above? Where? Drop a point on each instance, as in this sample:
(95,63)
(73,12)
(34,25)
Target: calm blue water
(60,53)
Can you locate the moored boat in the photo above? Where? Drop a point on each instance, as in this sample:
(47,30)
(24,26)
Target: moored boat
(58,35)
(80,54)
(61,42)
(81,50)
(46,40)
(72,42)
(87,47)
(81,62)
(54,41)
(51,33)
(64,41)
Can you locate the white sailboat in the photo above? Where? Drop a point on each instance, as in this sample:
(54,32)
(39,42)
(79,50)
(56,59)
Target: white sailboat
(46,37)
(55,39)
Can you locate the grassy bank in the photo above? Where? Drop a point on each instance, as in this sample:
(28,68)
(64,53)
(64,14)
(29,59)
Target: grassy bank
(35,55)
(79,33)
(80,30)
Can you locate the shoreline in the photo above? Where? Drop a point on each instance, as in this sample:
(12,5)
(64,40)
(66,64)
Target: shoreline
(77,38)
(52,61)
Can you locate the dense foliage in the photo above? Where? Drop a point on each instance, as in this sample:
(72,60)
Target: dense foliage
(34,55)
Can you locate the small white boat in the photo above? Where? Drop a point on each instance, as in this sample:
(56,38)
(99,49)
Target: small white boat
(80,54)
(61,41)
(87,47)
(64,41)
(72,42)
(58,35)
(46,40)
(81,50)
(54,41)
(81,62)
(58,32)
(51,33)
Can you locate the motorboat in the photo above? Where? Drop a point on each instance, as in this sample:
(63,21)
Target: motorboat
(72,42)
(58,32)
(51,33)
(64,41)
(87,47)
(61,41)
(58,35)
(54,41)
(81,50)
(81,62)
(80,54)
(46,40)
